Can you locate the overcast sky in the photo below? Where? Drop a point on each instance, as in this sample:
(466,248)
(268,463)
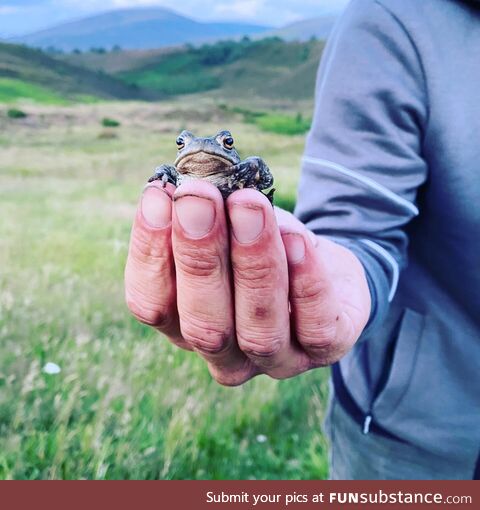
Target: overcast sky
(23,16)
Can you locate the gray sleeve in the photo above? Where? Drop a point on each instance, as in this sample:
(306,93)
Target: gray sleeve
(363,164)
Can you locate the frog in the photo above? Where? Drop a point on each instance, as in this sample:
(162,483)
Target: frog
(216,160)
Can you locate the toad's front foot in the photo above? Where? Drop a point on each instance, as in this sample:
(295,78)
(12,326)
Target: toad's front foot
(165,173)
(253,172)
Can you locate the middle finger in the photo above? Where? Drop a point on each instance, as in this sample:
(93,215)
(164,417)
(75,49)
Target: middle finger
(204,295)
(260,275)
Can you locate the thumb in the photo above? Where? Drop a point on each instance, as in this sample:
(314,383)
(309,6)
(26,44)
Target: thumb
(319,272)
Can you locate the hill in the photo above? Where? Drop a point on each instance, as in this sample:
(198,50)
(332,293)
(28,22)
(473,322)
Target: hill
(134,29)
(29,73)
(319,27)
(116,61)
(269,68)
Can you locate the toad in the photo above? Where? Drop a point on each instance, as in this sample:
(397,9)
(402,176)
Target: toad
(216,160)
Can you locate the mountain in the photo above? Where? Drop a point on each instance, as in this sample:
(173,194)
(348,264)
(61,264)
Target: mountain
(135,29)
(30,73)
(319,27)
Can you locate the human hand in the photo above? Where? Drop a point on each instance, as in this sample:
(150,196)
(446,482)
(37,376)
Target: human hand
(245,286)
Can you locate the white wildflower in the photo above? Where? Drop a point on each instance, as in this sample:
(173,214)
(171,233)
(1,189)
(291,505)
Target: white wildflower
(51,368)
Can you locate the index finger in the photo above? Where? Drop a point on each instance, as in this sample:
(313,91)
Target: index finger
(150,289)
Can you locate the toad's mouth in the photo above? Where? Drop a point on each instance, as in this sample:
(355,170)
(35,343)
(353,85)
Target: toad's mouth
(203,164)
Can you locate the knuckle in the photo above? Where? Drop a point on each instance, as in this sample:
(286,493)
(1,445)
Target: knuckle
(206,338)
(323,348)
(252,272)
(325,359)
(196,261)
(265,347)
(317,336)
(318,343)
(155,316)
(205,346)
(230,379)
(310,290)
(145,248)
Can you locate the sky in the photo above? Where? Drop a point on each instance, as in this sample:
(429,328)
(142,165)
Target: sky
(18,17)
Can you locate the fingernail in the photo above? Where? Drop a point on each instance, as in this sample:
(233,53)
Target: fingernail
(247,223)
(295,247)
(156,207)
(313,237)
(195,214)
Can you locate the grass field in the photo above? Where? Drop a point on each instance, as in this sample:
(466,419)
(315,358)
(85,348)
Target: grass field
(12,90)
(126,404)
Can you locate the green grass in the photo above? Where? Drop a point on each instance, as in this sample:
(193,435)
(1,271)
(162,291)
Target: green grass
(189,82)
(12,90)
(273,122)
(126,404)
(283,124)
(181,73)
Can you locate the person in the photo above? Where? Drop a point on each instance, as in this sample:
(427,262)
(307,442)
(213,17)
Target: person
(376,275)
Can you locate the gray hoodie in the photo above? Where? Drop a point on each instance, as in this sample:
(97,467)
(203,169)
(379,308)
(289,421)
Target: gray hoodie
(392,170)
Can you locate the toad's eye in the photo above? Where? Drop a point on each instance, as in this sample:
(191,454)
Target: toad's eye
(228,143)
(180,143)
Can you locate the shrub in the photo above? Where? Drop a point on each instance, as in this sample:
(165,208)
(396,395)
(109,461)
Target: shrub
(13,113)
(112,123)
